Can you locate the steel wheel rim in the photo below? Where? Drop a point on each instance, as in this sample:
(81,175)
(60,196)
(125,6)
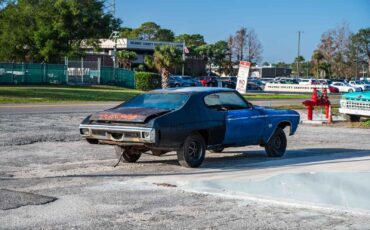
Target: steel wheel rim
(277,142)
(194,150)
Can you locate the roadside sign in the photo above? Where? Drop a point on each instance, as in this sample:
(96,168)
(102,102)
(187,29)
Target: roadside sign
(243,73)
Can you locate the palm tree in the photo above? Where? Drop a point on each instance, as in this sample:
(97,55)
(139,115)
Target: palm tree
(165,58)
(317,56)
(126,58)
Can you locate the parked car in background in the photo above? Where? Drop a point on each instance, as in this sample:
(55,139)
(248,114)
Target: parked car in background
(361,84)
(324,81)
(183,81)
(303,81)
(178,82)
(209,81)
(228,82)
(255,85)
(189,121)
(345,87)
(285,80)
(355,105)
(333,89)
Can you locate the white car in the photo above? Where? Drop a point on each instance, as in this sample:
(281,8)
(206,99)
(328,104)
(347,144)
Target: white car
(360,84)
(345,87)
(303,81)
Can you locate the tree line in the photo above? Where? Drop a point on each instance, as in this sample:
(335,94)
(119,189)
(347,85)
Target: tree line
(340,53)
(49,30)
(223,54)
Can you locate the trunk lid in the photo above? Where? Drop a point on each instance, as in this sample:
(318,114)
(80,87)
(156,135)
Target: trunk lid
(122,114)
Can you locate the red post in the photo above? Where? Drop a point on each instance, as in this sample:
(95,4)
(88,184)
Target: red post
(330,118)
(327,108)
(309,112)
(314,95)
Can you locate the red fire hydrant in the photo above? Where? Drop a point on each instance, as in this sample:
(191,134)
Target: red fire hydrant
(315,101)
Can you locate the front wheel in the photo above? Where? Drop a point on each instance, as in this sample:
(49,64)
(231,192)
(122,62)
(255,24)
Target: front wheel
(350,90)
(277,144)
(193,151)
(128,154)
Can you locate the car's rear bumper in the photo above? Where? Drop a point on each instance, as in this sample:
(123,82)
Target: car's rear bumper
(118,134)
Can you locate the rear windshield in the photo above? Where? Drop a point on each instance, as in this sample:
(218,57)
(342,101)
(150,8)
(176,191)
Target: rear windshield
(157,100)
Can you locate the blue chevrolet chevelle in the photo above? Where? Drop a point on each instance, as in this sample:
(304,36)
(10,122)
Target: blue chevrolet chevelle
(189,121)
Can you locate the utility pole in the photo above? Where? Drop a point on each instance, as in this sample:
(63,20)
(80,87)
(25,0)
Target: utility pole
(183,58)
(299,47)
(114,36)
(356,75)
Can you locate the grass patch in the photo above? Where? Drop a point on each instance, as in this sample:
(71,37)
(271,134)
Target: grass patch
(48,94)
(362,124)
(55,94)
(289,107)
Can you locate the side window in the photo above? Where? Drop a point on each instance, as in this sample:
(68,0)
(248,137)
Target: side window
(225,101)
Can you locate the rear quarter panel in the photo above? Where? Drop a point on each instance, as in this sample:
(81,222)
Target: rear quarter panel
(274,117)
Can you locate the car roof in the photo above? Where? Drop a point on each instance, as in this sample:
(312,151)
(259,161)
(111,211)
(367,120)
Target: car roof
(193,90)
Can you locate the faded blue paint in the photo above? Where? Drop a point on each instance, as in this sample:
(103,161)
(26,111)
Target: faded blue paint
(251,126)
(243,127)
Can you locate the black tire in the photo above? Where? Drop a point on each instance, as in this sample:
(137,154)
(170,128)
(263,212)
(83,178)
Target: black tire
(217,150)
(192,152)
(127,154)
(354,118)
(350,91)
(92,141)
(277,144)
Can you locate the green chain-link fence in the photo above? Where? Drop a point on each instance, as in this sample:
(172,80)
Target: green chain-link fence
(31,74)
(28,74)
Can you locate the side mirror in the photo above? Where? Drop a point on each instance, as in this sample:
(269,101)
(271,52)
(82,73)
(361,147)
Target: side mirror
(250,105)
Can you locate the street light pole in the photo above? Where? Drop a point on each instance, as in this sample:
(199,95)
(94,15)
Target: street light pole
(183,58)
(299,46)
(114,36)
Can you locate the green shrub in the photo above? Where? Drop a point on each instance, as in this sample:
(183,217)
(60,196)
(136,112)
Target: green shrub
(147,80)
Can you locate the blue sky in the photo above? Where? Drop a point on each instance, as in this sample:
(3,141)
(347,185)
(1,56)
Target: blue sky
(276,21)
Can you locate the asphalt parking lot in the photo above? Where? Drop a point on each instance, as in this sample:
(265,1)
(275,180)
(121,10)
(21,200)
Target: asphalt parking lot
(50,178)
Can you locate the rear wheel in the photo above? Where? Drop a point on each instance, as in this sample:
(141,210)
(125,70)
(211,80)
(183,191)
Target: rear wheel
(277,144)
(128,154)
(350,90)
(193,151)
(354,118)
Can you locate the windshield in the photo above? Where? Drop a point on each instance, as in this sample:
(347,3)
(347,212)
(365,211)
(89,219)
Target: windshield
(157,100)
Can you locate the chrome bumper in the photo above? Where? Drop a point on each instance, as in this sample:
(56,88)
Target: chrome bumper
(118,133)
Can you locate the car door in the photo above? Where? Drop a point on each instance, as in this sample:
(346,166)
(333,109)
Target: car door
(243,123)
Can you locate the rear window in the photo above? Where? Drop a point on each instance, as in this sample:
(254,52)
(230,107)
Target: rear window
(169,101)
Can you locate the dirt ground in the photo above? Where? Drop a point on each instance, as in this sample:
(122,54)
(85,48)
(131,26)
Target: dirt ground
(51,179)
